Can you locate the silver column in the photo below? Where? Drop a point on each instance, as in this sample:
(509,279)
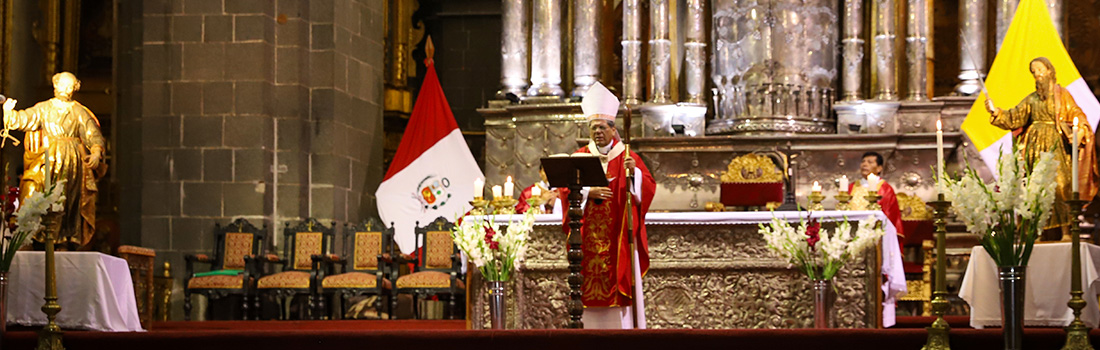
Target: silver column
(853,49)
(885,63)
(546,49)
(972,19)
(695,52)
(659,52)
(632,52)
(513,48)
(586,45)
(1056,15)
(1006,9)
(916,44)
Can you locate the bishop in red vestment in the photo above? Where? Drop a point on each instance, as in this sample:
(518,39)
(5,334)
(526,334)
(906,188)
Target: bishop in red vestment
(872,164)
(611,287)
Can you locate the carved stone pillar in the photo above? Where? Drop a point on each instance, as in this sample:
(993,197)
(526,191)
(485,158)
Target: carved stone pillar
(885,59)
(972,19)
(546,49)
(586,45)
(659,52)
(1006,9)
(513,48)
(916,44)
(695,52)
(853,49)
(632,52)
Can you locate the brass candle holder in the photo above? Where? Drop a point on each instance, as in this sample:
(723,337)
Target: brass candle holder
(842,199)
(49,338)
(872,200)
(939,331)
(534,206)
(1077,333)
(480,206)
(815,201)
(505,205)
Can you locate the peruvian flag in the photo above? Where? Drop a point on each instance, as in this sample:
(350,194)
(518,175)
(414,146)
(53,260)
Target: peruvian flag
(433,171)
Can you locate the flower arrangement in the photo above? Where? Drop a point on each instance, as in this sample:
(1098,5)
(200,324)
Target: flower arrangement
(28,218)
(496,254)
(1009,213)
(816,252)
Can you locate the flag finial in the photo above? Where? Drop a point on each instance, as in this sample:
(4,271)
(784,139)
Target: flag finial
(429,48)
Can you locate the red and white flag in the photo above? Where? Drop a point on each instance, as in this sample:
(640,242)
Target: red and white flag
(433,171)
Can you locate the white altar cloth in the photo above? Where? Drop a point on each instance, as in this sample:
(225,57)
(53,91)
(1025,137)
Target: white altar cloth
(1046,291)
(893,286)
(94,290)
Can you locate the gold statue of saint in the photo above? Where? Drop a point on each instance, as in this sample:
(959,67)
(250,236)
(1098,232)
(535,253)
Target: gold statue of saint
(1042,122)
(69,134)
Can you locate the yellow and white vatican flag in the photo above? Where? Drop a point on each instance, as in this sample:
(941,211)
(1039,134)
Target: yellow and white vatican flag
(1030,35)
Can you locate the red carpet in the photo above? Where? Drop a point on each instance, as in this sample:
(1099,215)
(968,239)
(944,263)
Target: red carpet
(346,334)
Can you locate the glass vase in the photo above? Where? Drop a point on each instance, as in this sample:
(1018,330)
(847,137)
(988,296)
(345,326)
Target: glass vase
(1012,305)
(822,303)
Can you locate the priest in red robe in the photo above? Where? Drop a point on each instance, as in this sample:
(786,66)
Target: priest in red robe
(872,164)
(612,287)
(547,198)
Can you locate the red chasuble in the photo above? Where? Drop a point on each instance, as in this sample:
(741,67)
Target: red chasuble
(605,241)
(522,206)
(889,204)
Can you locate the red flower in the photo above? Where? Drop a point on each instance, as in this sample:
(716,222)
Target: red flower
(813,232)
(489,233)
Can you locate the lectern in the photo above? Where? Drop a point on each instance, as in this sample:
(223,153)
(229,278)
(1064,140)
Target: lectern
(575,173)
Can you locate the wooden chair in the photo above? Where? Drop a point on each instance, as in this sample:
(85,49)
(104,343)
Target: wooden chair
(369,246)
(140,260)
(297,278)
(437,267)
(231,269)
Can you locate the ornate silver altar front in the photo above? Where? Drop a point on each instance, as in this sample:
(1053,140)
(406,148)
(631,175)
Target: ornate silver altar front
(700,276)
(774,66)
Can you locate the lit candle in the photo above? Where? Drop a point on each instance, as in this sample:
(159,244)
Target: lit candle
(843,183)
(939,153)
(872,181)
(816,187)
(479,188)
(496,191)
(536,191)
(509,187)
(1074,156)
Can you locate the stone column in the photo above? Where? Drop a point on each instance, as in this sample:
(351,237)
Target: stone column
(972,18)
(853,49)
(885,61)
(586,45)
(546,49)
(659,52)
(1006,9)
(513,48)
(632,52)
(915,50)
(695,52)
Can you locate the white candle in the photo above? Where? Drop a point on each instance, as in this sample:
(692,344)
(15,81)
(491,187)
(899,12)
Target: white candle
(816,187)
(939,153)
(479,188)
(843,183)
(496,191)
(872,181)
(1073,173)
(509,187)
(536,191)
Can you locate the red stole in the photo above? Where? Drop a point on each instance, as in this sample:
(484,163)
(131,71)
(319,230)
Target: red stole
(605,241)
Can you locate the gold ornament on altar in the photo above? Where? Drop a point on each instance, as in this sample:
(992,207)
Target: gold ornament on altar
(63,142)
(913,208)
(752,168)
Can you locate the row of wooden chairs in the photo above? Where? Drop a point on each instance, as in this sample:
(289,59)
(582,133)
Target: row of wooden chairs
(307,269)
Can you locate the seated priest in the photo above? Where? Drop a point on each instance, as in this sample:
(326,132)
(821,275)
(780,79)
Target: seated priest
(547,198)
(872,163)
(615,257)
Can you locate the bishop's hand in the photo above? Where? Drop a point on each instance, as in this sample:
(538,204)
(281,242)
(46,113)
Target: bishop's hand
(629,163)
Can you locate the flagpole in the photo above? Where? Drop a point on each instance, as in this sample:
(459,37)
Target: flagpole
(628,215)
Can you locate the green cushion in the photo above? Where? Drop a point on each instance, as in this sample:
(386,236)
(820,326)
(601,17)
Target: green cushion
(219,273)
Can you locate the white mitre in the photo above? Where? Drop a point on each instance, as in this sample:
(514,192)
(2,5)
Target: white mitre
(600,103)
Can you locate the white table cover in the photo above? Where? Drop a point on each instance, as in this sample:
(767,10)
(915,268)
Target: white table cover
(1046,286)
(893,285)
(94,290)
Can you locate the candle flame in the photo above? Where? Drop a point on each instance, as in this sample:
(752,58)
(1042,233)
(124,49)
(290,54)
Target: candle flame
(939,125)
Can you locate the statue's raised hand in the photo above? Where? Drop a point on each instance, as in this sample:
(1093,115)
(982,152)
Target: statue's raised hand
(9,104)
